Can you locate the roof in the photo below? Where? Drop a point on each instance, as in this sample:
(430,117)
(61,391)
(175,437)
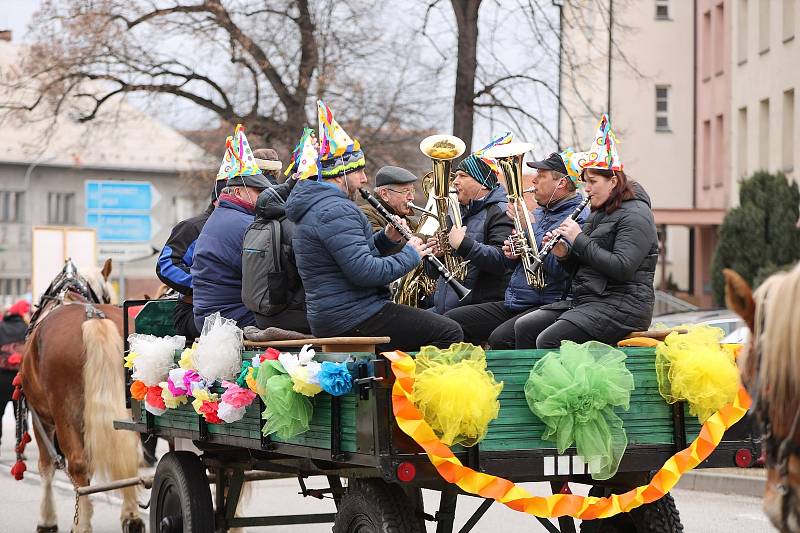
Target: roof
(121,137)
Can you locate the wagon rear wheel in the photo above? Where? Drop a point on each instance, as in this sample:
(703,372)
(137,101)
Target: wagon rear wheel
(374,506)
(181,498)
(661,516)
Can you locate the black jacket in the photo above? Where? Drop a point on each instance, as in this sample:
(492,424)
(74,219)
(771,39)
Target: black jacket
(614,259)
(174,263)
(12,340)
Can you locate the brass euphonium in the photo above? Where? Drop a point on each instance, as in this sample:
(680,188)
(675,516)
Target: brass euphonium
(442,149)
(523,242)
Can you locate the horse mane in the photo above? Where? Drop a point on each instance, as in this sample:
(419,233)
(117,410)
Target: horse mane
(100,285)
(776,343)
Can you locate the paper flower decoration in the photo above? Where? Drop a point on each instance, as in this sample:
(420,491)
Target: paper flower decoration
(455,393)
(574,392)
(170,400)
(153,402)
(154,356)
(335,378)
(234,402)
(218,352)
(138,390)
(286,412)
(130,358)
(187,357)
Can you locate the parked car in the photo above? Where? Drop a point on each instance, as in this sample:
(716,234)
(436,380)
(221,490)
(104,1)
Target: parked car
(729,322)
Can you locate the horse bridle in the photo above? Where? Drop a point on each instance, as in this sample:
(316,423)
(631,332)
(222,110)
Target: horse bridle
(777,453)
(68,280)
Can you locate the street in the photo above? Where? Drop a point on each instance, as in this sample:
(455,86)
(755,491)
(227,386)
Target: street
(700,511)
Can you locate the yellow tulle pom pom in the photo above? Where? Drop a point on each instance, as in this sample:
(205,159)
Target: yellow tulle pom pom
(187,358)
(455,392)
(695,368)
(130,359)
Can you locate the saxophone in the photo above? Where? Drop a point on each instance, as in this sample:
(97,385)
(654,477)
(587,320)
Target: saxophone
(523,242)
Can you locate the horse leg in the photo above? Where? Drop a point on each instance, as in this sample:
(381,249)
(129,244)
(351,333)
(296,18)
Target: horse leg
(71,442)
(48,521)
(131,522)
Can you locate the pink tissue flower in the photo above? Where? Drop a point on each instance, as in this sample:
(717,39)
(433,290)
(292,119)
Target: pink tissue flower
(237,396)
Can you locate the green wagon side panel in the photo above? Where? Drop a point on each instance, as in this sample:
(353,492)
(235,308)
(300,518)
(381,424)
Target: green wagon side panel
(155,318)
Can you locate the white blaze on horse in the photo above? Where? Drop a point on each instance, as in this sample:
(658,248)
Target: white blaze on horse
(73,382)
(770,368)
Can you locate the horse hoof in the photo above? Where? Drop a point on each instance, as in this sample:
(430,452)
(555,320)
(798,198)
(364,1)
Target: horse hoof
(133,525)
(47,529)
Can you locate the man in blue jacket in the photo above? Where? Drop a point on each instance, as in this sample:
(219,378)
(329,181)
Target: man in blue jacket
(217,268)
(557,197)
(340,262)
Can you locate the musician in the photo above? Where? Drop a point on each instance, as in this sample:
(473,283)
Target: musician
(480,239)
(613,256)
(394,189)
(557,197)
(175,262)
(340,261)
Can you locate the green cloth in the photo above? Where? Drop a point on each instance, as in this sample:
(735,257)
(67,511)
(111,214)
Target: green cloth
(286,412)
(574,392)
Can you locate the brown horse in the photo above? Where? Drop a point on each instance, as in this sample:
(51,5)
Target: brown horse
(73,382)
(770,368)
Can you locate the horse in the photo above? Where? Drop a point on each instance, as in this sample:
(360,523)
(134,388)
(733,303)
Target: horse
(73,384)
(770,369)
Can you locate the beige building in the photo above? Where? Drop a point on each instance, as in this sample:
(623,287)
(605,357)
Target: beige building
(46,162)
(647,91)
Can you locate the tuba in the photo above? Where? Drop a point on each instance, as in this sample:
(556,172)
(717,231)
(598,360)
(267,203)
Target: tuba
(523,242)
(442,149)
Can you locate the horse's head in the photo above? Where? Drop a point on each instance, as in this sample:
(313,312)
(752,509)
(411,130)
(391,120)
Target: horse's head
(97,279)
(770,368)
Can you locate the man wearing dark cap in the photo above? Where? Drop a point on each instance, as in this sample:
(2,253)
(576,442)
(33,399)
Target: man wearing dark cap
(394,188)
(480,239)
(217,264)
(267,160)
(175,262)
(494,321)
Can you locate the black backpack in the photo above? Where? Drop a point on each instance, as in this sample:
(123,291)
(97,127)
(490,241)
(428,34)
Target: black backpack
(265,281)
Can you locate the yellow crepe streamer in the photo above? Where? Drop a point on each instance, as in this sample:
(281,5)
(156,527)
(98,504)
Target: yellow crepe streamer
(412,423)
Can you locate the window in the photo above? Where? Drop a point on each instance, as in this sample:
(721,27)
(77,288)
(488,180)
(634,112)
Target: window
(12,206)
(12,289)
(662,9)
(705,49)
(719,39)
(742,25)
(662,108)
(741,145)
(788,131)
(719,151)
(763,26)
(788,20)
(763,134)
(60,208)
(706,150)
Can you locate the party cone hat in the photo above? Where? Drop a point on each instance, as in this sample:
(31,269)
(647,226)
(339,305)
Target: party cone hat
(334,141)
(304,157)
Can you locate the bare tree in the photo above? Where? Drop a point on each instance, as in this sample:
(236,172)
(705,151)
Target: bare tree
(251,61)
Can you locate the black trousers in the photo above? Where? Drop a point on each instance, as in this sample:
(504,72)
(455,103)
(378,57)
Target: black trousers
(543,329)
(183,318)
(291,319)
(409,328)
(490,322)
(6,390)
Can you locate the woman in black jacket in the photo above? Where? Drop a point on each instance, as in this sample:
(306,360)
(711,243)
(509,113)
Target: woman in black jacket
(613,258)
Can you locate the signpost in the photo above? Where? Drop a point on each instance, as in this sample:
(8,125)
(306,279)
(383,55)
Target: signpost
(121,213)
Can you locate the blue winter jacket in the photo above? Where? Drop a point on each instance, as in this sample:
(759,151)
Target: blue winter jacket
(339,258)
(520,295)
(217,267)
(488,271)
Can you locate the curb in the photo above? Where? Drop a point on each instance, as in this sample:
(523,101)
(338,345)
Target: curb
(723,483)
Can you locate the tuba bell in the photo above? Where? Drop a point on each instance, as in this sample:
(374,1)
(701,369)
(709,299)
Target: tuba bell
(442,149)
(523,243)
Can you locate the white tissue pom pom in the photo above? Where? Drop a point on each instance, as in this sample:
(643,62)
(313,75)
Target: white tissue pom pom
(156,355)
(229,413)
(313,369)
(306,354)
(289,362)
(219,350)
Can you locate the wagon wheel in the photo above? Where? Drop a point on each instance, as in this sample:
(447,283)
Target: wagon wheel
(661,516)
(181,498)
(374,506)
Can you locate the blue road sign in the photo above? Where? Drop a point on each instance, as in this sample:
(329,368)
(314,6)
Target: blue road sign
(120,227)
(119,195)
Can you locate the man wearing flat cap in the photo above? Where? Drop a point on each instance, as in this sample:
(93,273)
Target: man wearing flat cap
(494,322)
(267,160)
(394,188)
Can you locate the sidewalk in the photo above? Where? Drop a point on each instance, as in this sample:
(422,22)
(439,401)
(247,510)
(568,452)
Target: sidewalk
(740,481)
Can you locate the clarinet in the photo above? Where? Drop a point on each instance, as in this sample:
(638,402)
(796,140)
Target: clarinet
(460,290)
(547,248)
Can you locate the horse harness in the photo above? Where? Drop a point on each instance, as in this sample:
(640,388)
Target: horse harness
(777,452)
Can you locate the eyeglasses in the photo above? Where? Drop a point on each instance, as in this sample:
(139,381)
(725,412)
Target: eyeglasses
(409,192)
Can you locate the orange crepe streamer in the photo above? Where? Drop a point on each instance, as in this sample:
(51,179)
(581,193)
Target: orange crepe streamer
(411,422)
